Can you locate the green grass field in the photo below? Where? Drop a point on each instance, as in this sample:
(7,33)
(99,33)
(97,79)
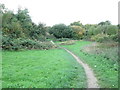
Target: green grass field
(53,68)
(106,70)
(56,68)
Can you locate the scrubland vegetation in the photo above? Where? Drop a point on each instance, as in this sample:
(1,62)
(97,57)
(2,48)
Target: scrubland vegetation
(31,60)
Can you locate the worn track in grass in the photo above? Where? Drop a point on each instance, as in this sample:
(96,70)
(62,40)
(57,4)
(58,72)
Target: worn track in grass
(91,79)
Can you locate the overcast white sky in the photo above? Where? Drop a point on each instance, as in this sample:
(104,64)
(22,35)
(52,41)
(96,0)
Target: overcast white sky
(53,12)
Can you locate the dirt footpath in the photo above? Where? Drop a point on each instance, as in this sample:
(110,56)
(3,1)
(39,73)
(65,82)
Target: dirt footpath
(91,79)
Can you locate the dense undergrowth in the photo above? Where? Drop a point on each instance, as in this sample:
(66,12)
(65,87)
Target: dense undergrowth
(23,44)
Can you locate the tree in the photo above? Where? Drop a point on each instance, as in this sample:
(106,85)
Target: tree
(38,32)
(112,30)
(77,23)
(105,23)
(11,25)
(25,20)
(78,32)
(2,8)
(90,29)
(61,31)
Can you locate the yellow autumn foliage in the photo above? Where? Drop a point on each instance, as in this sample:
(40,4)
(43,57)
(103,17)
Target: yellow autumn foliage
(78,31)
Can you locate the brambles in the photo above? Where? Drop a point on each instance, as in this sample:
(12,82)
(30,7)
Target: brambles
(20,43)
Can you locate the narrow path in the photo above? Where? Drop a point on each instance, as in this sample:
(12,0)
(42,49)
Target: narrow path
(91,79)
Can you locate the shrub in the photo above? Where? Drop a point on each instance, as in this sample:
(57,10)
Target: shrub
(100,38)
(22,43)
(111,29)
(7,42)
(114,37)
(104,38)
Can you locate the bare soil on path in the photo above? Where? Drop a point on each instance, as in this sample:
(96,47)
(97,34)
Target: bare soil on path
(91,79)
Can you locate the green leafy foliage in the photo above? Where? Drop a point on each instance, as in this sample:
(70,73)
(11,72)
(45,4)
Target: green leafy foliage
(112,30)
(20,43)
(77,23)
(100,38)
(101,32)
(19,25)
(61,31)
(115,37)
(19,32)
(105,23)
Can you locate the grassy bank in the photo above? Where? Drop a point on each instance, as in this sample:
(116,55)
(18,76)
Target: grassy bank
(106,69)
(53,68)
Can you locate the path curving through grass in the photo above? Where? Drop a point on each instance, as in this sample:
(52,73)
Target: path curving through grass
(91,79)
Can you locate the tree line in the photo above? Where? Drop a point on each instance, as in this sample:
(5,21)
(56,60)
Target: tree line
(20,32)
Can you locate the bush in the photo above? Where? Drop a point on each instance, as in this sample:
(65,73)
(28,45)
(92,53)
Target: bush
(20,43)
(111,30)
(7,43)
(100,38)
(114,37)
